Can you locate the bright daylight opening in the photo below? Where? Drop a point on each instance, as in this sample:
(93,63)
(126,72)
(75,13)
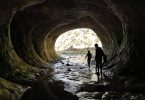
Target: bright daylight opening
(72,47)
(77,39)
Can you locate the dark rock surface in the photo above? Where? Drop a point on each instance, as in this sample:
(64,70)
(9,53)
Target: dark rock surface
(29,29)
(54,90)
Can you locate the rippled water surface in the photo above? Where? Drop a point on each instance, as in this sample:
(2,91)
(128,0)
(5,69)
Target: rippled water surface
(74,72)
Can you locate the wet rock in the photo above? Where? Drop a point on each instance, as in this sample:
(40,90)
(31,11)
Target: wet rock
(57,87)
(94,88)
(68,69)
(89,95)
(131,96)
(122,96)
(29,29)
(111,96)
(98,95)
(53,90)
(136,88)
(69,65)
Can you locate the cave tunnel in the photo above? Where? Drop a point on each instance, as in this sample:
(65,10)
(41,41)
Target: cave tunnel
(30,28)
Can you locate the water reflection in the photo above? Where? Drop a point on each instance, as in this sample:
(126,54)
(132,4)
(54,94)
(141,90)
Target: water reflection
(76,73)
(93,76)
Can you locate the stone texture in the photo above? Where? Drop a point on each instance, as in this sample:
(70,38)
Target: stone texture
(29,29)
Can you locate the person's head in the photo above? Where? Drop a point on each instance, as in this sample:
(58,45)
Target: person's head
(88,51)
(96,45)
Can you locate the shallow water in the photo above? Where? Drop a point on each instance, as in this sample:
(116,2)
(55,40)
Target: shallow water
(76,74)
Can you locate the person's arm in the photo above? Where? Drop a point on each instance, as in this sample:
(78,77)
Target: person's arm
(91,56)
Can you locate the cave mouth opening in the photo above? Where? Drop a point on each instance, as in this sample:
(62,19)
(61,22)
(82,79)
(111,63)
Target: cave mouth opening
(76,41)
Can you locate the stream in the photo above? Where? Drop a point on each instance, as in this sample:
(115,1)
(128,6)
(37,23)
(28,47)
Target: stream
(72,76)
(74,72)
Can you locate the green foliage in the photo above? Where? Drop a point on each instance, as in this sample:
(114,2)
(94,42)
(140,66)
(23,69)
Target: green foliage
(79,51)
(81,37)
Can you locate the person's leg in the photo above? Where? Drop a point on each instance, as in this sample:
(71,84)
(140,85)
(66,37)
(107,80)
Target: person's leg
(89,63)
(96,67)
(101,72)
(97,71)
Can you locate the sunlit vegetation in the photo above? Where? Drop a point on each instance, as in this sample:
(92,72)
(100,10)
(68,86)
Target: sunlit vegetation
(77,40)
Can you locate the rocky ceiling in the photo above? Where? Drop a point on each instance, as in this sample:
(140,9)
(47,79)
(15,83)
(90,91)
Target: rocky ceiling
(29,29)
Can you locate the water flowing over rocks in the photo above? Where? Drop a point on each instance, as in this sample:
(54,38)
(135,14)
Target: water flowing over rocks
(29,29)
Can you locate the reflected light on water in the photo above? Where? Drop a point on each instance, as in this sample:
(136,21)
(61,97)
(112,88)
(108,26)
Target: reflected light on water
(93,76)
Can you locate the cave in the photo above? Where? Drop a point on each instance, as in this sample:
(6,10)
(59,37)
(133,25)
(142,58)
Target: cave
(30,28)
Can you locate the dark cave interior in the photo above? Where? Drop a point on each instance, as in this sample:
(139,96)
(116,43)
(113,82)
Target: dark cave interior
(30,28)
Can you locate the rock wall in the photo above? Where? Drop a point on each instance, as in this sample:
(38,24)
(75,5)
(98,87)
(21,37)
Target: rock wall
(29,29)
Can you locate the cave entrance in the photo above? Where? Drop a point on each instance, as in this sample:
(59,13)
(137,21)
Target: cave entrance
(76,41)
(73,68)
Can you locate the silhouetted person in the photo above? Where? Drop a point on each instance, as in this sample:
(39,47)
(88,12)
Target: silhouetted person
(89,57)
(98,58)
(104,59)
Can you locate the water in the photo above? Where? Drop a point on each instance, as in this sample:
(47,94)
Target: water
(76,74)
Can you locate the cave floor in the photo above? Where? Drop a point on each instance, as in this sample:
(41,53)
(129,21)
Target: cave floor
(74,72)
(75,69)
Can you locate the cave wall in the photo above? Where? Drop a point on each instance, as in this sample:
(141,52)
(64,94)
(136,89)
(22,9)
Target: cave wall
(29,29)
